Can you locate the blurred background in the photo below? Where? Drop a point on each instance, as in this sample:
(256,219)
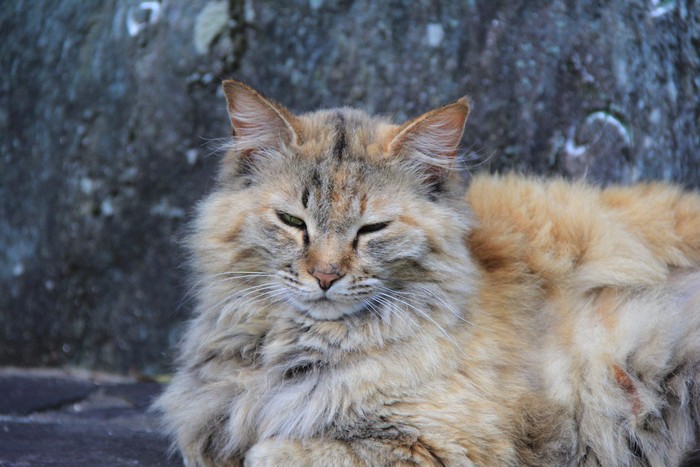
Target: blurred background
(111,112)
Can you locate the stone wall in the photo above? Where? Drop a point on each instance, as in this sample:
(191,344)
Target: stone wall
(110,116)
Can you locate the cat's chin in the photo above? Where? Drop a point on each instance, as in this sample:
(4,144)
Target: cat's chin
(327,310)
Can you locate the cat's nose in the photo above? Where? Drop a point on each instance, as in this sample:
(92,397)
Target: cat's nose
(324,279)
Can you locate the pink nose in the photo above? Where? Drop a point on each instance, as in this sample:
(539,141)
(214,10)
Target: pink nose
(325,280)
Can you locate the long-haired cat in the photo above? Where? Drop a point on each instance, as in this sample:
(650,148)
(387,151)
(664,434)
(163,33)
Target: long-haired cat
(356,305)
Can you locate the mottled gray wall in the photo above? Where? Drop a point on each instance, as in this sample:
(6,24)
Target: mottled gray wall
(109,111)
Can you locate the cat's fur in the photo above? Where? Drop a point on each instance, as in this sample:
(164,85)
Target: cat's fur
(534,322)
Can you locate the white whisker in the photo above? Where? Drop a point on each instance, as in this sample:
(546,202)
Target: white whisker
(422,313)
(202,286)
(405,319)
(227,306)
(440,299)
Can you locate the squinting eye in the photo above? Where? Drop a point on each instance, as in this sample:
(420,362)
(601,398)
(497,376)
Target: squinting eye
(369,228)
(291,220)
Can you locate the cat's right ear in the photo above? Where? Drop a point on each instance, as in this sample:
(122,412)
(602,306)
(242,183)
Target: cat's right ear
(430,142)
(434,137)
(257,122)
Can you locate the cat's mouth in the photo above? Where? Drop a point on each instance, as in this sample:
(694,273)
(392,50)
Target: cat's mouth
(326,309)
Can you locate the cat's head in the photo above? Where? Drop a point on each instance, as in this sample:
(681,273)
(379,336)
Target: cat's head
(332,210)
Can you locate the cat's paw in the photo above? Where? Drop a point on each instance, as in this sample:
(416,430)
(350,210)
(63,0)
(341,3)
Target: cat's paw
(307,453)
(275,453)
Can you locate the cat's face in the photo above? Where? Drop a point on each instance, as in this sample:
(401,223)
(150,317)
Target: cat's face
(326,212)
(336,232)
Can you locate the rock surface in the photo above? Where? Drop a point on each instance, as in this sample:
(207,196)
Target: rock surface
(110,110)
(74,418)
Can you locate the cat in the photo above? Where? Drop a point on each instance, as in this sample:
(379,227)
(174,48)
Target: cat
(357,304)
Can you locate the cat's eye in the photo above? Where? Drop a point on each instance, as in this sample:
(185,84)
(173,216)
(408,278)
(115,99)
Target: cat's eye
(369,228)
(291,220)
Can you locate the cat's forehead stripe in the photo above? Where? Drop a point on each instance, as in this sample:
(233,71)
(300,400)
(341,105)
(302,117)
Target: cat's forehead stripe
(339,162)
(316,177)
(335,192)
(340,145)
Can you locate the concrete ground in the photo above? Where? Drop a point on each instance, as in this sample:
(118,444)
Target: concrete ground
(75,418)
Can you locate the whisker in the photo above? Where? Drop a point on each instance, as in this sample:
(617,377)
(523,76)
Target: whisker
(440,299)
(201,286)
(377,325)
(424,314)
(273,291)
(239,296)
(408,321)
(369,304)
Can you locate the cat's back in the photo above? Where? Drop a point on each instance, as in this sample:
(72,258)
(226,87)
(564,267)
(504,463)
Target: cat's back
(572,234)
(606,284)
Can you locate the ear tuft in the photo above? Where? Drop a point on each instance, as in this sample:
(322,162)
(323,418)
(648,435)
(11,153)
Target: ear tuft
(434,137)
(256,121)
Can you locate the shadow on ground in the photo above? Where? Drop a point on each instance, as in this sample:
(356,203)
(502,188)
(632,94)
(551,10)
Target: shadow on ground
(75,418)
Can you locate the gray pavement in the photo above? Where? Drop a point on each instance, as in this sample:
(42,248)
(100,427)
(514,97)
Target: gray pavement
(76,418)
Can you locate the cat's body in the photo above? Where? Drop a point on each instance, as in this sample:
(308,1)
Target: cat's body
(354,309)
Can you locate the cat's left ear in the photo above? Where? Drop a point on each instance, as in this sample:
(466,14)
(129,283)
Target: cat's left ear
(256,121)
(433,138)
